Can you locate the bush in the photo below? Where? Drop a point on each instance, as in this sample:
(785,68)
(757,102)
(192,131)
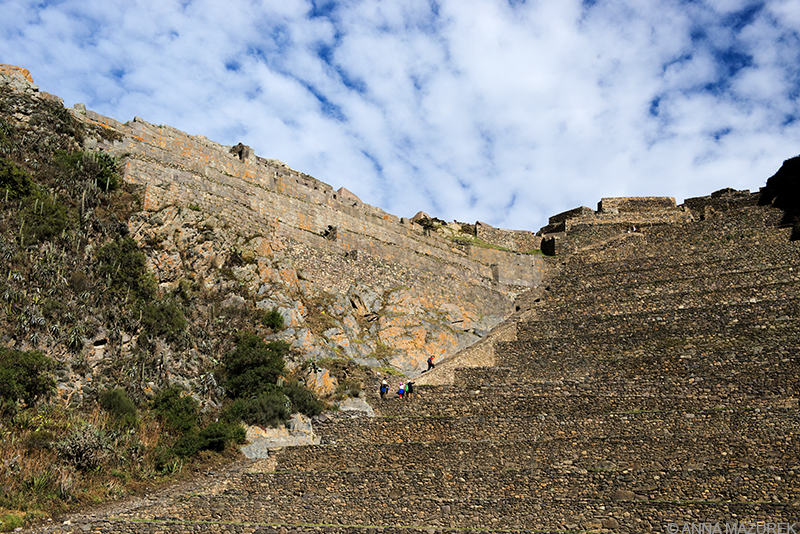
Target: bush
(268,409)
(254,366)
(10,521)
(39,439)
(44,220)
(104,167)
(124,266)
(14,182)
(303,399)
(177,411)
(87,448)
(188,445)
(215,437)
(163,319)
(273,319)
(97,168)
(116,402)
(24,376)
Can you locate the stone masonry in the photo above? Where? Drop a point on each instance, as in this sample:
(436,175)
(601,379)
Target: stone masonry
(261,196)
(653,388)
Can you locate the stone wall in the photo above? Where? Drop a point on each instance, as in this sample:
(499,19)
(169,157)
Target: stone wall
(261,196)
(635,204)
(517,240)
(719,201)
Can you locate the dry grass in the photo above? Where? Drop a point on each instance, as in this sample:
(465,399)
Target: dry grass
(38,481)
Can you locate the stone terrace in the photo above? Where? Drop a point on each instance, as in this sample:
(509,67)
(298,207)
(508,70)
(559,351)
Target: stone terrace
(655,389)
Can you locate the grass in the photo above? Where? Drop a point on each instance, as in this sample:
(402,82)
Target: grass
(317,319)
(475,242)
(40,482)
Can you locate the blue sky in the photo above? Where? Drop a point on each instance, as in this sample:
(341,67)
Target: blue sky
(502,111)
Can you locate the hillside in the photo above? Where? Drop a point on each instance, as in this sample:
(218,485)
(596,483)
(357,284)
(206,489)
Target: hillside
(138,258)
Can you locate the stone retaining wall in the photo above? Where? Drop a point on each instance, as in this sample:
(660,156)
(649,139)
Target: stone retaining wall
(261,196)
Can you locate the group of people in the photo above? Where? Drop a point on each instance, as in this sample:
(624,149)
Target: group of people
(406,389)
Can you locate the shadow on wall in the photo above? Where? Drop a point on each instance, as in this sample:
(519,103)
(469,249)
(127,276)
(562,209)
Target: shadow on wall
(783,191)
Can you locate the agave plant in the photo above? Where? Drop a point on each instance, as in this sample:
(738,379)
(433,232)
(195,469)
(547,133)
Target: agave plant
(75,338)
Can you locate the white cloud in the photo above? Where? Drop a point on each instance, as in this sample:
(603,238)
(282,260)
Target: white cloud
(467,109)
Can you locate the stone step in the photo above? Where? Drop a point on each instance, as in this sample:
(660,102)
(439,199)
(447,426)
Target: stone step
(748,425)
(651,255)
(659,452)
(754,229)
(493,402)
(689,322)
(649,298)
(506,499)
(174,525)
(518,516)
(675,279)
(675,360)
(669,376)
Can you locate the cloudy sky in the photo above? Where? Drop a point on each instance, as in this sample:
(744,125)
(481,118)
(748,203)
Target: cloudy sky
(503,111)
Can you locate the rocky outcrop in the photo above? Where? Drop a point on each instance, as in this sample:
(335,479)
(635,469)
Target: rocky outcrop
(349,279)
(783,192)
(428,296)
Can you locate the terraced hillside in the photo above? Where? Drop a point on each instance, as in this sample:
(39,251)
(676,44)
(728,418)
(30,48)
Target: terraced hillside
(655,390)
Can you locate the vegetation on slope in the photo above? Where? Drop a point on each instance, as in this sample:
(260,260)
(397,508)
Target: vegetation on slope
(70,274)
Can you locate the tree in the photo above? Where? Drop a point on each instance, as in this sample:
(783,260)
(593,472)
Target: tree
(254,366)
(24,376)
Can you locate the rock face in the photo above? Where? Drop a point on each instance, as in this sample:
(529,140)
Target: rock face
(301,241)
(783,191)
(349,279)
(652,387)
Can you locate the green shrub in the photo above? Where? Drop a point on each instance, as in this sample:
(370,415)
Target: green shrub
(24,376)
(44,220)
(79,281)
(273,319)
(254,366)
(116,402)
(303,399)
(268,409)
(177,411)
(124,266)
(14,182)
(96,168)
(9,521)
(165,460)
(104,166)
(39,439)
(217,435)
(188,445)
(163,319)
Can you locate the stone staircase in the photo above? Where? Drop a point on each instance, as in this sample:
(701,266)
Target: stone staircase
(654,390)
